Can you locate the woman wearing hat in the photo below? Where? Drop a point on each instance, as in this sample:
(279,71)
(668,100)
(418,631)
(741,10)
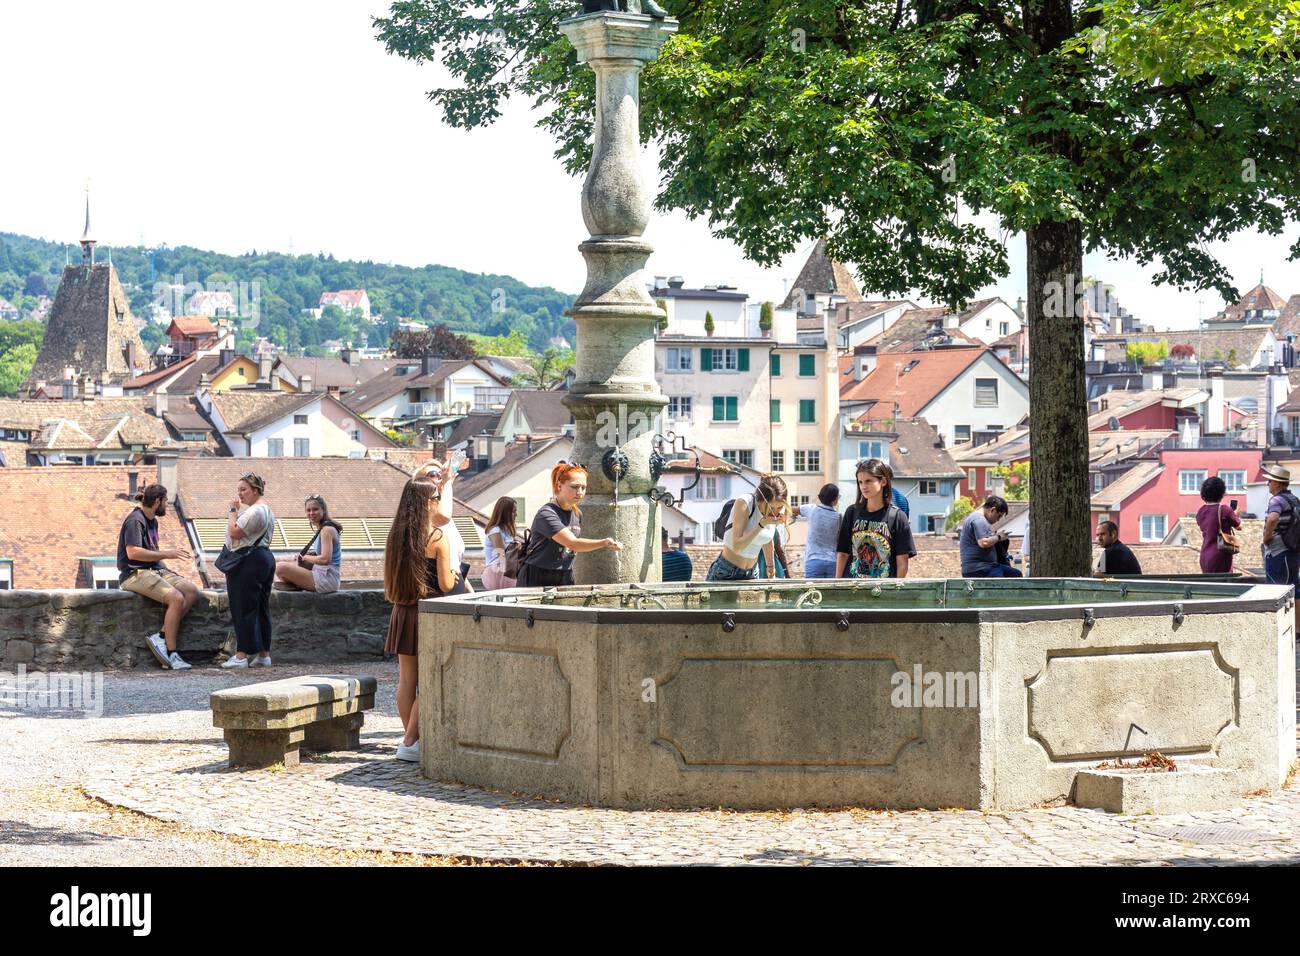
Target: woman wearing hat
(1281,562)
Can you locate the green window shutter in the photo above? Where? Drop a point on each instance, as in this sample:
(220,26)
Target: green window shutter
(719,408)
(776,364)
(742,360)
(733,413)
(807,410)
(776,409)
(706,360)
(807,365)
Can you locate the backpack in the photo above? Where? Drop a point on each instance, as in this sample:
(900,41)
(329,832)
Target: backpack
(515,552)
(722,522)
(1288,525)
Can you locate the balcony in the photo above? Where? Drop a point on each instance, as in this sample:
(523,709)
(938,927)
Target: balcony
(427,410)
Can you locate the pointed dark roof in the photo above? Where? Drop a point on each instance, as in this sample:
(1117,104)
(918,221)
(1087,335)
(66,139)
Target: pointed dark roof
(822,275)
(1260,297)
(89,328)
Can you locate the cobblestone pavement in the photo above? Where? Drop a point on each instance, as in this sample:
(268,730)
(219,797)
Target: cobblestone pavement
(154,751)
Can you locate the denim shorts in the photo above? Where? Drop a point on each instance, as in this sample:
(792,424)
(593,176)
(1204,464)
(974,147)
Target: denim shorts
(723,570)
(818,568)
(1283,568)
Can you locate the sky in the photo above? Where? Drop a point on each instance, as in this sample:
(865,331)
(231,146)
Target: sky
(285,126)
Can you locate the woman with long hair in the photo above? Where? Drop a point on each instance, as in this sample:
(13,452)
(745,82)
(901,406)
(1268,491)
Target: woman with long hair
(321,569)
(248,583)
(752,529)
(501,533)
(553,537)
(423,557)
(875,539)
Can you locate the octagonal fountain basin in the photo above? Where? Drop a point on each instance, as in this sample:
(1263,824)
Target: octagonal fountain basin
(918,693)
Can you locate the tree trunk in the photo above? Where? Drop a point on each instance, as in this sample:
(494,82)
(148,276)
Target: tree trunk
(1060,542)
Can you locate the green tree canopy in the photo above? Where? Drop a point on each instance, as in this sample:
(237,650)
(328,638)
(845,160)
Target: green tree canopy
(1132,127)
(1146,353)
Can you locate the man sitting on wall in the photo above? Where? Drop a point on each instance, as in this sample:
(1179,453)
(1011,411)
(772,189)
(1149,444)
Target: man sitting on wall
(140,569)
(1116,557)
(978,542)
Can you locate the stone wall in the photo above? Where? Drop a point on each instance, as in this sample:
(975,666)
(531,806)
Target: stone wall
(93,630)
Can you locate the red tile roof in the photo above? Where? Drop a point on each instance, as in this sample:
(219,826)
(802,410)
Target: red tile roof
(192,325)
(912,379)
(70,512)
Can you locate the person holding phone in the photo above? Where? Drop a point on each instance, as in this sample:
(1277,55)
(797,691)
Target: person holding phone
(978,542)
(1218,523)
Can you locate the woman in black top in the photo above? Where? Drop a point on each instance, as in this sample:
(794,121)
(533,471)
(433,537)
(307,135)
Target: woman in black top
(875,536)
(553,538)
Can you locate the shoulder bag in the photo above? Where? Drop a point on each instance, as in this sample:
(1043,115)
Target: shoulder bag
(1226,540)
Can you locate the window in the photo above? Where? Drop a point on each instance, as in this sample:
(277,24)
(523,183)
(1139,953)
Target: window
(807,411)
(807,365)
(803,500)
(1098,481)
(739,456)
(679,407)
(240,370)
(960,433)
(709,488)
(1189,482)
(871,449)
(679,360)
(355,434)
(778,461)
(929,487)
(775,409)
(1233,480)
(1153,527)
(775,366)
(302,448)
(1004,329)
(300,419)
(934,522)
(275,447)
(808,461)
(724,360)
(726,408)
(986,392)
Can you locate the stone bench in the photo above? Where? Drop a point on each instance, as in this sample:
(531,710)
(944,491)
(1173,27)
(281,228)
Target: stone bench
(266,723)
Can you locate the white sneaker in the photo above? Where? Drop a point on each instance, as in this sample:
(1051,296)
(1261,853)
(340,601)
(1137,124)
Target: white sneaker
(158,646)
(410,754)
(260,661)
(178,663)
(236,662)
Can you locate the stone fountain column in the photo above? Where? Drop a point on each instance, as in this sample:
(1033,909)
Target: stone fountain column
(615,399)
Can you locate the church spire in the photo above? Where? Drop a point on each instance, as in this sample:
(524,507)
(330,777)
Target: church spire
(87,241)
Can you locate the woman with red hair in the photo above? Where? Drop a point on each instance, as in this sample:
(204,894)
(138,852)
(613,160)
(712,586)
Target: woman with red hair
(553,538)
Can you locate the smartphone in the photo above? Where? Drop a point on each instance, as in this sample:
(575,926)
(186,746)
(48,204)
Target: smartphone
(1233,504)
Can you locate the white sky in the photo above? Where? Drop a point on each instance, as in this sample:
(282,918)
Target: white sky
(253,125)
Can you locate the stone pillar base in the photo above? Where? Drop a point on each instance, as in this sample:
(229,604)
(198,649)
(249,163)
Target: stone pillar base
(262,748)
(340,733)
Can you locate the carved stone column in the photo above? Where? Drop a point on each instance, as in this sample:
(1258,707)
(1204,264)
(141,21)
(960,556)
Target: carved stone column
(615,399)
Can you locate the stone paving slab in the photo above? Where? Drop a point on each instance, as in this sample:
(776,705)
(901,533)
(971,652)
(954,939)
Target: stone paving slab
(154,750)
(369,800)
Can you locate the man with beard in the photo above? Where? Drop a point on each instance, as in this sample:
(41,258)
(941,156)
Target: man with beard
(140,569)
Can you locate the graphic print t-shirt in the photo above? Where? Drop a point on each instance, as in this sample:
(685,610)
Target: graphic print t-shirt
(873,540)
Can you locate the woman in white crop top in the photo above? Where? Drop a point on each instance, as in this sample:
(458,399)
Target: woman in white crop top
(753,523)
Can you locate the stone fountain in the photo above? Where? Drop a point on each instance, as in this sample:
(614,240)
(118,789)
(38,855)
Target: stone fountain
(615,399)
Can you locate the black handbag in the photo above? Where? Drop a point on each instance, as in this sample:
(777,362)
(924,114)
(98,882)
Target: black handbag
(230,560)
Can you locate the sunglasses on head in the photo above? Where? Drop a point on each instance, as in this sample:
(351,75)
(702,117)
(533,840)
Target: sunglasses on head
(313,497)
(572,464)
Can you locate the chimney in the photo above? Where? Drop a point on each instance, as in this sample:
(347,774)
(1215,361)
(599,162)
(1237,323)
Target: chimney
(1278,388)
(496,449)
(429,363)
(132,484)
(351,356)
(333,391)
(305,384)
(225,357)
(168,472)
(87,388)
(676,282)
(160,402)
(1215,410)
(264,364)
(1020,308)
(205,381)
(661,282)
(864,361)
